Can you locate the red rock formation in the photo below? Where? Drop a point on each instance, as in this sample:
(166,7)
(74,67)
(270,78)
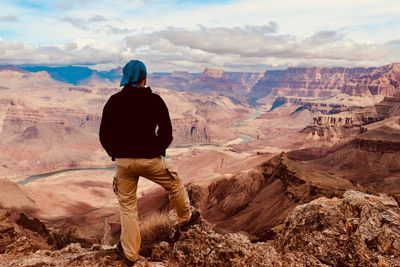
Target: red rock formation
(325,82)
(259,199)
(383,81)
(350,122)
(20,235)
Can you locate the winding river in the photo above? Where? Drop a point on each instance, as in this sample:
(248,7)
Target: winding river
(35,177)
(244,139)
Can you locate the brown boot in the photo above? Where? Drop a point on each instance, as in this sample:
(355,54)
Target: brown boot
(194,219)
(120,251)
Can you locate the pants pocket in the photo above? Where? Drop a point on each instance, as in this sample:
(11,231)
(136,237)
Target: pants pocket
(115,185)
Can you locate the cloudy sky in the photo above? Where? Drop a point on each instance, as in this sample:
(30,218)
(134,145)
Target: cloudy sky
(246,35)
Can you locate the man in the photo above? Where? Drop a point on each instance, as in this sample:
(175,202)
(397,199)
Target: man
(128,134)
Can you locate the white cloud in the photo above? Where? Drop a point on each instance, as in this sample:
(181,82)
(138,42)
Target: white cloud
(232,48)
(257,45)
(237,34)
(70,53)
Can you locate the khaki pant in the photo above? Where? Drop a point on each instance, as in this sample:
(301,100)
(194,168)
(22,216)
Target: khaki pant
(125,183)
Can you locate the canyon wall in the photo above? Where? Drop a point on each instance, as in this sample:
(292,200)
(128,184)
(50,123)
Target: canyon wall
(294,81)
(47,125)
(233,84)
(326,82)
(351,121)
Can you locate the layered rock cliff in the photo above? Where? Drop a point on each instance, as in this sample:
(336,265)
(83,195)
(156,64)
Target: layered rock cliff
(325,82)
(295,81)
(351,121)
(333,128)
(383,80)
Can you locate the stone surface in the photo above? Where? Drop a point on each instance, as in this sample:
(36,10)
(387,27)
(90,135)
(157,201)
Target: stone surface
(20,239)
(202,246)
(355,230)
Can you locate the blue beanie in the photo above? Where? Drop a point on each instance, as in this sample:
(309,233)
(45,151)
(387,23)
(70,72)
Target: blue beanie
(133,72)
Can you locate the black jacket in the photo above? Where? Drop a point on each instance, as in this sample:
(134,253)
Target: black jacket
(129,121)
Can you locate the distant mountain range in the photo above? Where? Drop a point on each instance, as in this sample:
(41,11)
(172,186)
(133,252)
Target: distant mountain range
(297,81)
(68,74)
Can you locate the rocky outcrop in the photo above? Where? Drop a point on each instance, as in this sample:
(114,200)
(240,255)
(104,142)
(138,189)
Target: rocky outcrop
(389,106)
(316,106)
(326,82)
(21,235)
(350,122)
(330,133)
(381,137)
(333,128)
(376,146)
(369,161)
(257,200)
(355,230)
(204,245)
